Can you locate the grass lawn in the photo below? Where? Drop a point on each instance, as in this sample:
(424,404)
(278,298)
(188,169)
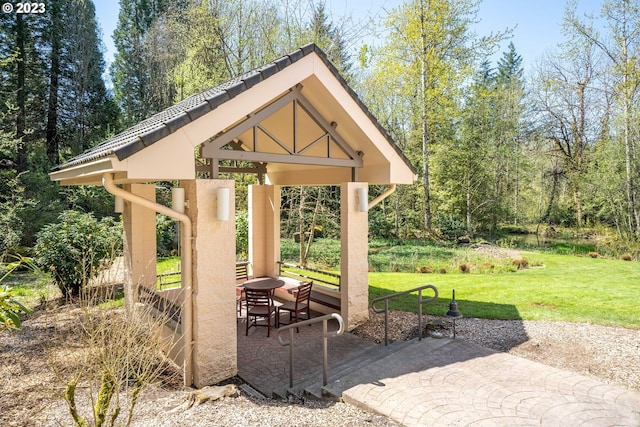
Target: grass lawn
(563,288)
(555,287)
(167,266)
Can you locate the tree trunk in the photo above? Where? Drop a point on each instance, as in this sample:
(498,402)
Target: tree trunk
(52,112)
(21,92)
(301,252)
(468,202)
(424,127)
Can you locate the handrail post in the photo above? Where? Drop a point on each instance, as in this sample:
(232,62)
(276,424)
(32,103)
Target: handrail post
(421,301)
(291,358)
(386,321)
(420,315)
(325,335)
(325,353)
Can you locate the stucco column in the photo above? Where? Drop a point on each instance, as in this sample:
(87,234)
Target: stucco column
(214,292)
(264,229)
(354,266)
(139,243)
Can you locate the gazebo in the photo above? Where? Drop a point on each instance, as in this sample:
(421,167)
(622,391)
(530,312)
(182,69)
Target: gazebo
(294,121)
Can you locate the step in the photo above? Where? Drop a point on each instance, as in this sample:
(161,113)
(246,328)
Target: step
(390,365)
(311,387)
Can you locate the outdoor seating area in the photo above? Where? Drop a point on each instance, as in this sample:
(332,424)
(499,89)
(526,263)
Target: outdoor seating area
(257,299)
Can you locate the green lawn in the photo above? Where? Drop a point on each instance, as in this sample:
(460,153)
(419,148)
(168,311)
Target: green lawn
(556,287)
(167,266)
(563,288)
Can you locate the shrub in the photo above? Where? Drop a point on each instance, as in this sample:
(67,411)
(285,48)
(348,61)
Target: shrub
(520,263)
(465,268)
(242,234)
(74,248)
(443,271)
(11,309)
(593,254)
(166,234)
(114,358)
(488,266)
(627,257)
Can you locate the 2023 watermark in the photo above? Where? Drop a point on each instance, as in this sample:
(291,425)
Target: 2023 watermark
(24,8)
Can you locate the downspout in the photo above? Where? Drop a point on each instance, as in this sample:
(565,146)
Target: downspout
(383,196)
(187,272)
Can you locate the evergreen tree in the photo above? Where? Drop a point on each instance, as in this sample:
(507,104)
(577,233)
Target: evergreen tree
(130,72)
(509,124)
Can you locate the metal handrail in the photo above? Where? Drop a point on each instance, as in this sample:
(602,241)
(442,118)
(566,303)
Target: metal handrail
(385,310)
(325,334)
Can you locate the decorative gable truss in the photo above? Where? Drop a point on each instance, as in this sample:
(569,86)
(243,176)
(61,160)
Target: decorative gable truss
(288,130)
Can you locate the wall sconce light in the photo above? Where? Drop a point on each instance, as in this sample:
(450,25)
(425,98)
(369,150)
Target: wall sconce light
(223,203)
(363,199)
(177,199)
(119,206)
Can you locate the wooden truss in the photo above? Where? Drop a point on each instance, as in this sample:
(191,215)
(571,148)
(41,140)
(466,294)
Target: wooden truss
(289,130)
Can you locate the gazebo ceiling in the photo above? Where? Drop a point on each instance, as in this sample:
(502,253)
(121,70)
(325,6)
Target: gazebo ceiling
(295,120)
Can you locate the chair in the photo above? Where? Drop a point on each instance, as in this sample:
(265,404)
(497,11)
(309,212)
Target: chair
(297,307)
(242,275)
(259,304)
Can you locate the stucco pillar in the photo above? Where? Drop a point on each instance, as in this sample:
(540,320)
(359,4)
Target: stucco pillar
(139,243)
(354,265)
(264,229)
(214,292)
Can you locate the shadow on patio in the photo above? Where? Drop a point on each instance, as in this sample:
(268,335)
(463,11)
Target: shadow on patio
(264,363)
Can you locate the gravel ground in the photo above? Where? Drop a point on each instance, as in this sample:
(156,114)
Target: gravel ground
(30,395)
(611,354)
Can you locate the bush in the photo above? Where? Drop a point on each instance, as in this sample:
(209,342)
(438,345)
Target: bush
(166,235)
(450,226)
(11,309)
(74,248)
(242,234)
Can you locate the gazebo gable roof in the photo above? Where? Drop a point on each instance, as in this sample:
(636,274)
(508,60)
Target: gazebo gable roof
(174,123)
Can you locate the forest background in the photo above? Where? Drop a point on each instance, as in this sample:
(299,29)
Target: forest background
(495,150)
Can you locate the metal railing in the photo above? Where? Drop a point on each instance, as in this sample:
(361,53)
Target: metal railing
(325,334)
(421,301)
(166,279)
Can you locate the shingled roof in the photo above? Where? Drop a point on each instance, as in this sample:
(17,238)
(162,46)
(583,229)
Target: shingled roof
(168,121)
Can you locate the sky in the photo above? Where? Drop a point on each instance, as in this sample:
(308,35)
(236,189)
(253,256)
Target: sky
(536,24)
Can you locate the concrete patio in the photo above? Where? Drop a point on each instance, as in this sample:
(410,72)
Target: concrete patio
(436,382)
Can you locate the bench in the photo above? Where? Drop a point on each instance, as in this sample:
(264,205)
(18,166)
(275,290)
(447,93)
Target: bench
(326,285)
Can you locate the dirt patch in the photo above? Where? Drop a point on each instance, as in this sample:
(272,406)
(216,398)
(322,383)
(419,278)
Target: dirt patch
(496,251)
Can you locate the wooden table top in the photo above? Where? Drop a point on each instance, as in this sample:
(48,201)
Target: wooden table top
(263,283)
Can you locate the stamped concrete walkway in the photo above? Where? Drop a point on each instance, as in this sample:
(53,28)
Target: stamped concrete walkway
(443,383)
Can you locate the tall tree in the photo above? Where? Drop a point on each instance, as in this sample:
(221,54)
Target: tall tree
(432,49)
(80,112)
(510,126)
(52,135)
(571,112)
(130,74)
(622,49)
(326,34)
(22,83)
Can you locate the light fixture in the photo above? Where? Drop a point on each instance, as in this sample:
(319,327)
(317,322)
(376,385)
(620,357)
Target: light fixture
(363,199)
(453,312)
(119,205)
(223,203)
(177,199)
